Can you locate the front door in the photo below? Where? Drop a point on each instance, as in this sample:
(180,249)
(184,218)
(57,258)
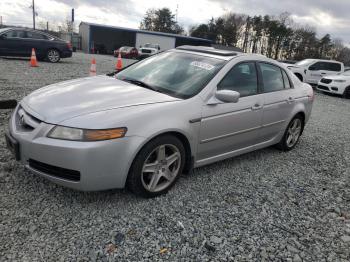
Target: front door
(13,43)
(227,127)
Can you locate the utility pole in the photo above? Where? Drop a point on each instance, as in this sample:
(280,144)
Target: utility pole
(0,20)
(33,15)
(177,10)
(47,25)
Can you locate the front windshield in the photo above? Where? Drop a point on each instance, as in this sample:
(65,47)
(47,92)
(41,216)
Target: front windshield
(150,45)
(174,73)
(304,62)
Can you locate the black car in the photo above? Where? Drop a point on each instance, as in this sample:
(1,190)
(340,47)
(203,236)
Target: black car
(19,42)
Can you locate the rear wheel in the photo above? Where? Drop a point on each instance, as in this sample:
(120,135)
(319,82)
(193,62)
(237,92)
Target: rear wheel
(346,93)
(53,55)
(157,166)
(292,134)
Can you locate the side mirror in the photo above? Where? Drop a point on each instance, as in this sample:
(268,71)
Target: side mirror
(224,96)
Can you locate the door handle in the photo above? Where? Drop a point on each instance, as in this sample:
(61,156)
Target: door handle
(257,107)
(323,73)
(290,100)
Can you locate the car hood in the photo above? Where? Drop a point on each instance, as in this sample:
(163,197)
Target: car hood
(148,48)
(58,102)
(338,77)
(290,65)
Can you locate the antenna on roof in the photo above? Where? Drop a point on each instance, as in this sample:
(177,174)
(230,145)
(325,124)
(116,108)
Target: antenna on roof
(177,10)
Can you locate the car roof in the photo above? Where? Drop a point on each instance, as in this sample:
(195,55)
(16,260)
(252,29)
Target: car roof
(321,60)
(31,30)
(219,53)
(208,50)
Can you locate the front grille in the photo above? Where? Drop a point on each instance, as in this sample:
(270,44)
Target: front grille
(146,51)
(326,81)
(25,122)
(323,87)
(55,171)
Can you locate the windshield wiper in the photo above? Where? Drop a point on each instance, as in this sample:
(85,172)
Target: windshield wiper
(140,83)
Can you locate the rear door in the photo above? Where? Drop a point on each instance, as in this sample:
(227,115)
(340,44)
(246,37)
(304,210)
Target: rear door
(38,41)
(279,99)
(228,127)
(332,68)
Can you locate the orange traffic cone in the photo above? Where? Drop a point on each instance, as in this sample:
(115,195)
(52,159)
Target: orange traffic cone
(33,61)
(119,64)
(93,67)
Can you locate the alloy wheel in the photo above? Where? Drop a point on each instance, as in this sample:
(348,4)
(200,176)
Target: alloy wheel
(53,56)
(294,132)
(161,168)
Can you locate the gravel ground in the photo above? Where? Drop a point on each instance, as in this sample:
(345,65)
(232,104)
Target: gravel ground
(266,205)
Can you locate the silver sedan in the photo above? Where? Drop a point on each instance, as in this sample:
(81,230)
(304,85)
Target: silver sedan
(158,118)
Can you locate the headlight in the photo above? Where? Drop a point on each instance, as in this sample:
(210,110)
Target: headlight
(340,81)
(76,134)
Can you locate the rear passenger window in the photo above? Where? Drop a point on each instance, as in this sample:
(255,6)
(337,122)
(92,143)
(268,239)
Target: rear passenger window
(333,67)
(272,77)
(286,80)
(35,35)
(241,78)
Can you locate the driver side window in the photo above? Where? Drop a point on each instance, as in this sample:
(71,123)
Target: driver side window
(317,66)
(241,78)
(15,34)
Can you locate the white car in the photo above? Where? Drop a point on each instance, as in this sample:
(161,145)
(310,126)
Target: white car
(148,50)
(312,70)
(336,84)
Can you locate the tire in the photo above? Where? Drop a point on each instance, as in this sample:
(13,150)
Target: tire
(346,93)
(292,134)
(53,56)
(153,171)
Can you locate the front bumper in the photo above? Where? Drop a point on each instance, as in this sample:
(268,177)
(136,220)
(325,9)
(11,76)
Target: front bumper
(101,165)
(66,53)
(333,88)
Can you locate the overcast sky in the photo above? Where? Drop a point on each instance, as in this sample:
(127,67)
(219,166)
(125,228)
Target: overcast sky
(327,16)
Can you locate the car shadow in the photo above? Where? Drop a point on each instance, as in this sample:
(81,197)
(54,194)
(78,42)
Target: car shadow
(15,58)
(329,94)
(57,193)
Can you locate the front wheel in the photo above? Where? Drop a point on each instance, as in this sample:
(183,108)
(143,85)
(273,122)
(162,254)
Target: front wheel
(346,93)
(53,56)
(292,134)
(157,166)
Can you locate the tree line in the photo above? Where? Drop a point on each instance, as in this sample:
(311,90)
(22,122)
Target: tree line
(277,37)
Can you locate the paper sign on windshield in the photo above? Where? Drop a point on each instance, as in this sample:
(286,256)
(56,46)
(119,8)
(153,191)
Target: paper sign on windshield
(202,65)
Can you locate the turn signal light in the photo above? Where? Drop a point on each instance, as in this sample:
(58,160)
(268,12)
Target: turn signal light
(94,135)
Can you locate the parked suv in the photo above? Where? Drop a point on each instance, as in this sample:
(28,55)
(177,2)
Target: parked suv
(20,41)
(148,50)
(312,70)
(336,84)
